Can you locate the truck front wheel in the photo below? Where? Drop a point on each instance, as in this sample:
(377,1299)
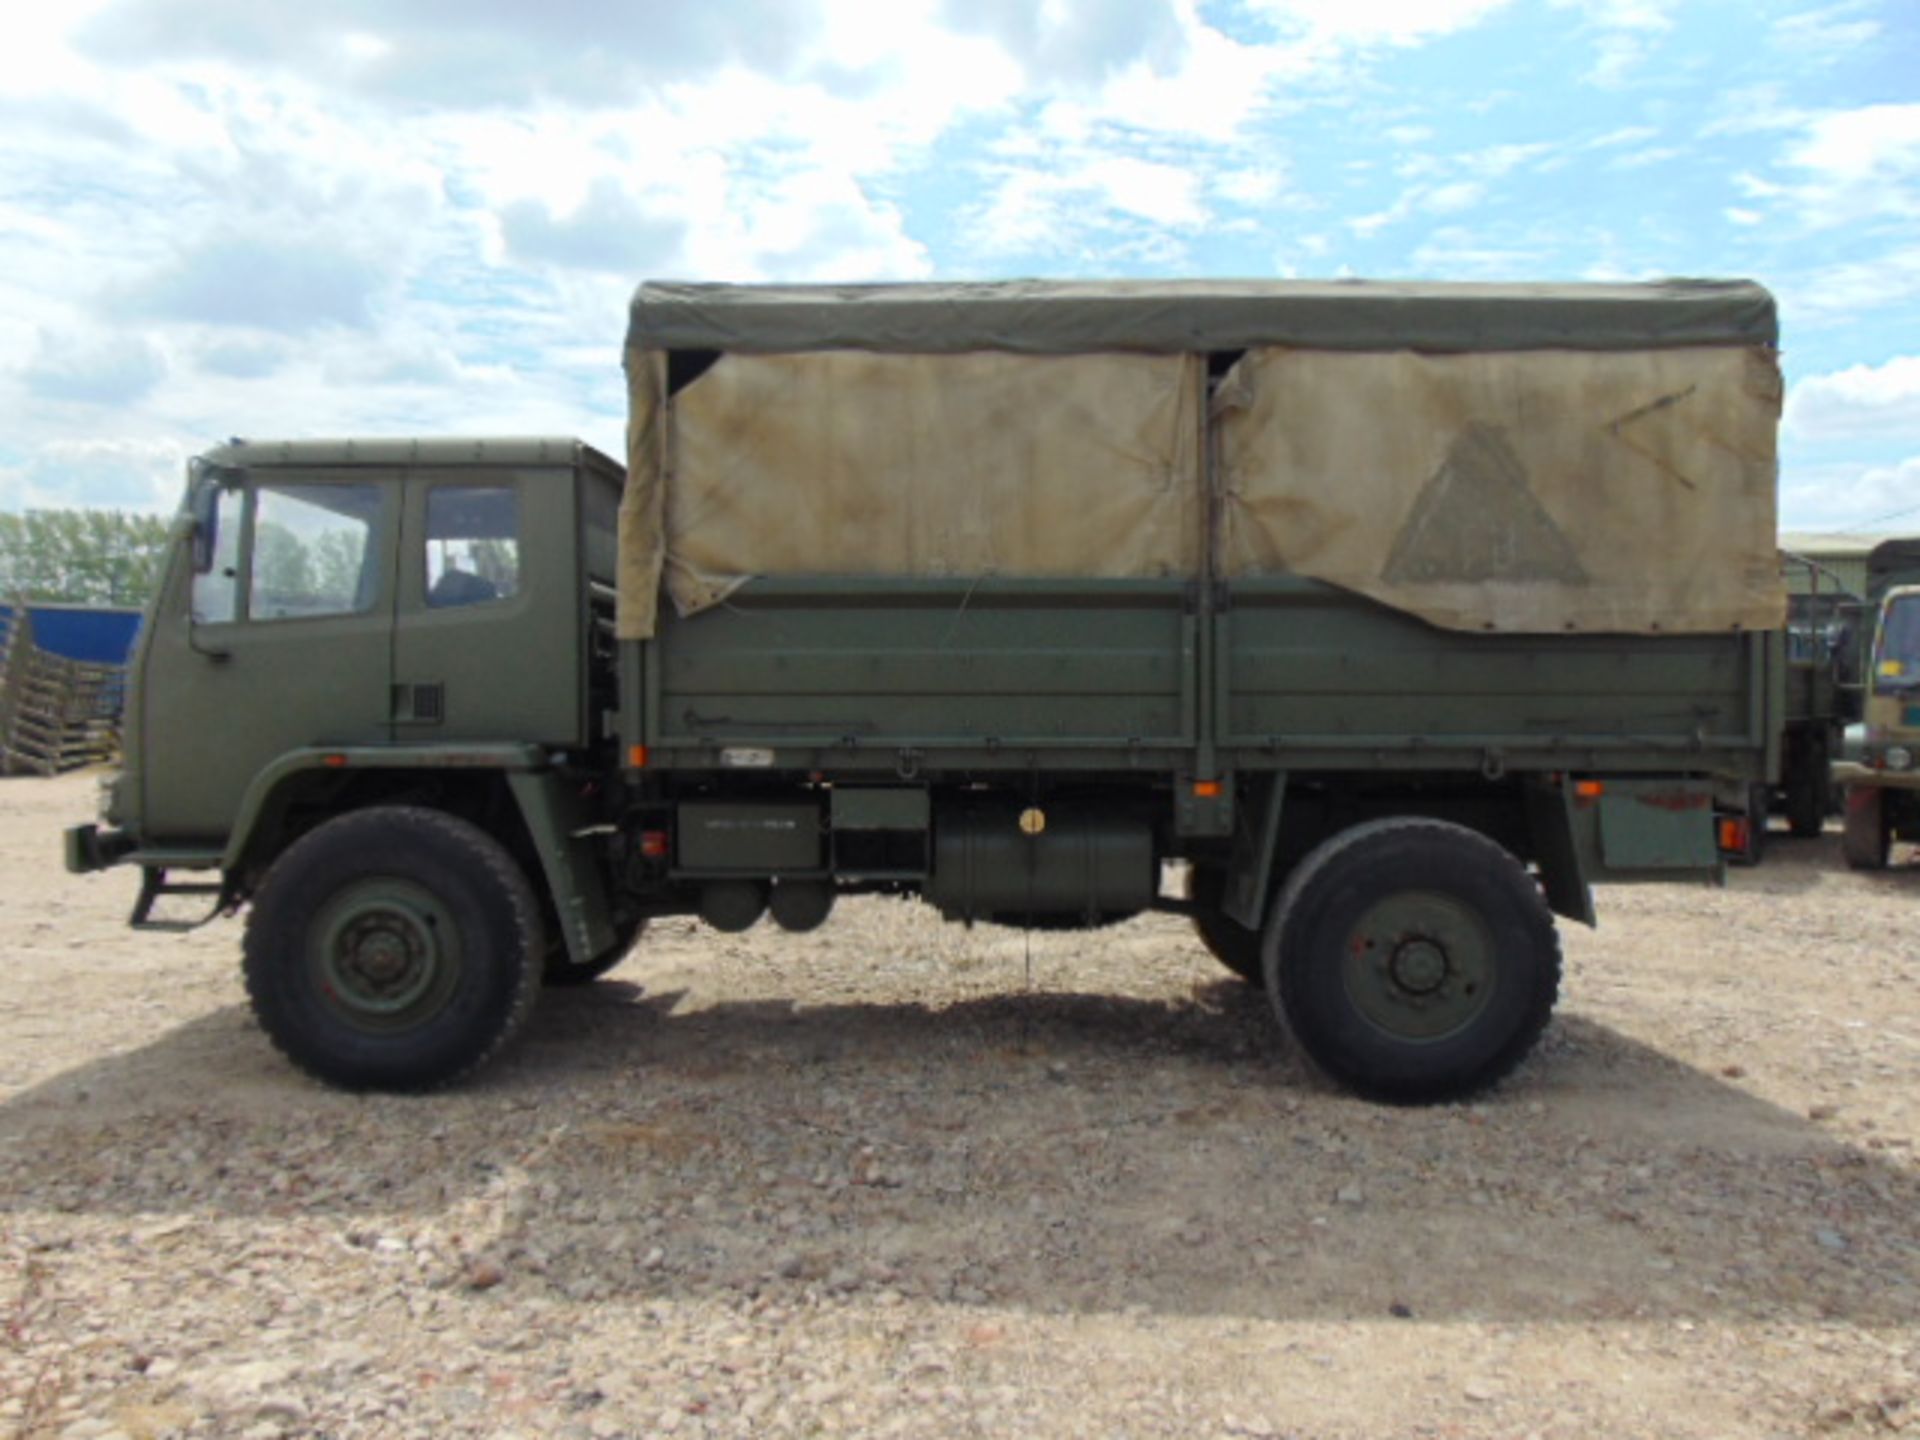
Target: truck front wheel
(395,948)
(1867,839)
(1413,959)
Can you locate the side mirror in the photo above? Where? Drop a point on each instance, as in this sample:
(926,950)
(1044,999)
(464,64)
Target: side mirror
(203,507)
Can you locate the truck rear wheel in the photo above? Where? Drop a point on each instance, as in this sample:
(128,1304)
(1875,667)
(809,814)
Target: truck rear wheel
(1413,959)
(1809,791)
(1230,942)
(395,948)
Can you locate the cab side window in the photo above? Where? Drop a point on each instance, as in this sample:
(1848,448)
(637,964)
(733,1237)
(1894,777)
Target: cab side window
(216,590)
(312,551)
(473,544)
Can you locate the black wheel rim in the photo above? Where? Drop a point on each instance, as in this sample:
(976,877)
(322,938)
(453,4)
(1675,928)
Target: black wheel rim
(1419,965)
(385,955)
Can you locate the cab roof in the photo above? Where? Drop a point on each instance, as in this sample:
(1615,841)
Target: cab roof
(523,450)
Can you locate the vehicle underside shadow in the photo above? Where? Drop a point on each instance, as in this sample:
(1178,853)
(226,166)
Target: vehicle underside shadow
(1052,1151)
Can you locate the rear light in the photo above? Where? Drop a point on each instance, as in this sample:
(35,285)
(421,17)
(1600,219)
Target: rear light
(653,844)
(1734,834)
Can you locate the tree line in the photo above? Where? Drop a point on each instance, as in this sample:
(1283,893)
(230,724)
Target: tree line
(81,557)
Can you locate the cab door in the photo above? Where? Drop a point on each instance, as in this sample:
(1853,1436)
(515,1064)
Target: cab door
(485,644)
(284,642)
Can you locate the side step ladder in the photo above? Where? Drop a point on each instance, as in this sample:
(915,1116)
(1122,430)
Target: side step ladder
(154,885)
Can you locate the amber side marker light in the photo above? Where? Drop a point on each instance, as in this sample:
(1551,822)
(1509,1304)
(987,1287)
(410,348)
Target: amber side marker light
(1207,789)
(636,757)
(1733,833)
(1589,789)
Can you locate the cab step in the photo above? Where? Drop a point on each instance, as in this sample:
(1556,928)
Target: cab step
(155,886)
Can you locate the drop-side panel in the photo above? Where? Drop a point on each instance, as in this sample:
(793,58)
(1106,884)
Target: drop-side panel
(819,670)
(1313,676)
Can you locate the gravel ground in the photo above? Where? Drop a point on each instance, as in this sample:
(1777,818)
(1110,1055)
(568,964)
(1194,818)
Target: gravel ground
(901,1178)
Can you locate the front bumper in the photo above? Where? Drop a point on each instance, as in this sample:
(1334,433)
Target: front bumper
(89,848)
(1852,772)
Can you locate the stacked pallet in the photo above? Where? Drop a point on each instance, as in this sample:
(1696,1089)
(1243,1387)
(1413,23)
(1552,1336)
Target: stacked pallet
(55,714)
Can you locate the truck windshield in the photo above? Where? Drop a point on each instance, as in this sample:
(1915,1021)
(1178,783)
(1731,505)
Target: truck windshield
(1896,665)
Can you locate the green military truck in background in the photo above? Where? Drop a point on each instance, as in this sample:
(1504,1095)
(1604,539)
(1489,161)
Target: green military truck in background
(1824,620)
(1400,614)
(1879,771)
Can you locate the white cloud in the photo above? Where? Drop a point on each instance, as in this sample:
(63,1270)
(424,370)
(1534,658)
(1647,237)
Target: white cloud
(1641,159)
(1450,184)
(822,226)
(1870,148)
(287,283)
(1056,207)
(490,52)
(1162,193)
(1371,22)
(1756,109)
(241,356)
(1451,199)
(1845,168)
(1219,87)
(1624,34)
(1625,135)
(404,215)
(1849,496)
(1825,35)
(1456,253)
(1876,283)
(1256,185)
(611,229)
(1080,44)
(1858,402)
(38,57)
(96,367)
(132,474)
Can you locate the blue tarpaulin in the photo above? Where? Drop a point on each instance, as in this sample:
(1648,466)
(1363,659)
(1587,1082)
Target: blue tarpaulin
(96,635)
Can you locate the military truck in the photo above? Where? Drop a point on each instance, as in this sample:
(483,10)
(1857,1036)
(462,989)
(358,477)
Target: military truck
(1398,614)
(1822,696)
(1877,771)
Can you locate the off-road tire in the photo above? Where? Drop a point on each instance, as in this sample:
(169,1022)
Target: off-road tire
(376,886)
(1866,839)
(1809,794)
(1494,949)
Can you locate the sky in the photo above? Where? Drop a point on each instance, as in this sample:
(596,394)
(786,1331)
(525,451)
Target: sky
(425,217)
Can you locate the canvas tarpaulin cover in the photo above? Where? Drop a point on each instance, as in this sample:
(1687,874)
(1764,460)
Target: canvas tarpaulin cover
(849,463)
(1521,458)
(1544,490)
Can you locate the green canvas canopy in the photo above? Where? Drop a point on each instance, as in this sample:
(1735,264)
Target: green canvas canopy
(1059,317)
(1511,458)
